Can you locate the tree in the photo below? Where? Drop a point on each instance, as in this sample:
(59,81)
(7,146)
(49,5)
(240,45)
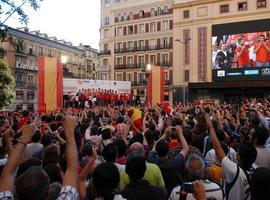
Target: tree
(10,8)
(7,85)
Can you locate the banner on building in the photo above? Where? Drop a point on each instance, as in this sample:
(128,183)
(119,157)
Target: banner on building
(50,84)
(72,86)
(155,85)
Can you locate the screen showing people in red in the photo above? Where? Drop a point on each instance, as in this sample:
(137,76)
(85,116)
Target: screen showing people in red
(245,50)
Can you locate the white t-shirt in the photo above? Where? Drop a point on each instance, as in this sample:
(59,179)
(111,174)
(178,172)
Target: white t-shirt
(241,186)
(212,190)
(211,156)
(263,157)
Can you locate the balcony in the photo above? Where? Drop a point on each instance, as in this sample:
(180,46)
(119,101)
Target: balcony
(102,68)
(142,48)
(26,67)
(168,82)
(104,52)
(165,46)
(164,64)
(129,66)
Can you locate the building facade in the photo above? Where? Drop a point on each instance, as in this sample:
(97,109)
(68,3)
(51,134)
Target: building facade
(133,34)
(22,58)
(195,22)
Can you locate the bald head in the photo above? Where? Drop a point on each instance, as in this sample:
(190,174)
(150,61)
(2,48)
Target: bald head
(137,148)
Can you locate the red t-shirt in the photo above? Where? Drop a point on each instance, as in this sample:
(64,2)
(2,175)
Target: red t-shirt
(262,55)
(244,58)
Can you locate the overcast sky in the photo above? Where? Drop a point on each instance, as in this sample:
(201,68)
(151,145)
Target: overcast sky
(77,21)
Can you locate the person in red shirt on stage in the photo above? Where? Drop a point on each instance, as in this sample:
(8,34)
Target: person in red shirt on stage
(262,50)
(242,52)
(25,119)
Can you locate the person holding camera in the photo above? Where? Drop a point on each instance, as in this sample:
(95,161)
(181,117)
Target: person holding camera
(195,169)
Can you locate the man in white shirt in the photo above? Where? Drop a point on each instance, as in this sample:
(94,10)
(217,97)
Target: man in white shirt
(196,168)
(35,146)
(237,177)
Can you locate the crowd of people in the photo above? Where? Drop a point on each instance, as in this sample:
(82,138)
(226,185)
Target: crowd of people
(193,151)
(241,51)
(87,98)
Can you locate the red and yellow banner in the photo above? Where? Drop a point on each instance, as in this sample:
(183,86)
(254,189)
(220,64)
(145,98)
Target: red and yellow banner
(50,84)
(155,91)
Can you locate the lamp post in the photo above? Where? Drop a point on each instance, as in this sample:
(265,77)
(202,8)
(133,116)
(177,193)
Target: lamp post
(147,71)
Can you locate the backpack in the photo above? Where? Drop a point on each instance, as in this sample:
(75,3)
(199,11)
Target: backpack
(229,186)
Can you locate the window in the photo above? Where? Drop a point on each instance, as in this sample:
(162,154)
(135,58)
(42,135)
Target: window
(186,14)
(186,75)
(159,11)
(30,62)
(19,95)
(130,45)
(165,10)
(152,26)
(166,77)
(242,6)
(105,62)
(153,44)
(164,43)
(224,8)
(141,28)
(106,33)
(19,78)
(106,47)
(126,17)
(107,3)
(165,60)
(119,77)
(140,44)
(30,95)
(30,107)
(120,18)
(141,13)
(153,12)
(119,31)
(119,46)
(152,58)
(141,61)
(31,49)
(106,21)
(261,3)
(165,25)
(130,77)
(49,53)
(142,78)
(130,30)
(119,61)
(41,51)
(131,15)
(130,61)
(19,60)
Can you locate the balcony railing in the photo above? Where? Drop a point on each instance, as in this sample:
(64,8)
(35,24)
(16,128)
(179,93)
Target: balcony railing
(142,48)
(168,82)
(104,52)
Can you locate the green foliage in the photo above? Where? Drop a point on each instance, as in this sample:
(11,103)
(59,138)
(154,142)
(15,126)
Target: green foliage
(9,8)
(7,85)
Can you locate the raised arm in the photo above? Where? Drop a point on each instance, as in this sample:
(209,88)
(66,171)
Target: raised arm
(9,172)
(216,144)
(185,146)
(71,175)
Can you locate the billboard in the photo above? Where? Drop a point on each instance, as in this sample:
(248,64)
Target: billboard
(72,86)
(241,50)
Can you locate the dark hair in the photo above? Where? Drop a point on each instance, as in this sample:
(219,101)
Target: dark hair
(106,134)
(110,153)
(248,154)
(260,184)
(32,184)
(26,165)
(261,134)
(51,155)
(174,134)
(162,148)
(36,136)
(94,130)
(46,140)
(87,148)
(255,121)
(188,135)
(54,191)
(120,119)
(54,172)
(137,138)
(135,167)
(25,113)
(105,178)
(121,147)
(176,121)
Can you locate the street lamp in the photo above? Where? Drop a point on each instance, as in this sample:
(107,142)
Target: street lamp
(147,71)
(64,59)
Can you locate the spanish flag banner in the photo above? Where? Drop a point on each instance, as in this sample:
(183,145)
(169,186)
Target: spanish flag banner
(50,84)
(136,116)
(155,93)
